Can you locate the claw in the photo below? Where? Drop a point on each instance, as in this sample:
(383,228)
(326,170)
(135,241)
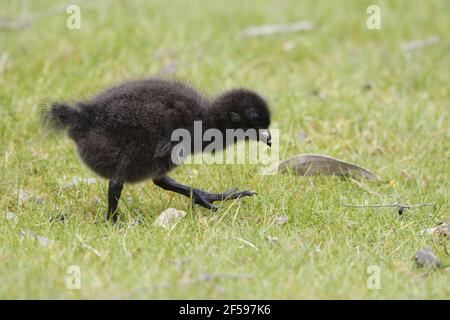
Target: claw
(249,193)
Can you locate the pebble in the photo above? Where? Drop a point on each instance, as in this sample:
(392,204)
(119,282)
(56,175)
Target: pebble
(426,258)
(169,217)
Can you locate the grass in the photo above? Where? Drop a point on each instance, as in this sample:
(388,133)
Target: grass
(399,129)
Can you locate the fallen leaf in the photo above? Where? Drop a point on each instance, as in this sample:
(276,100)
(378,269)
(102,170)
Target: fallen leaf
(315,164)
(169,217)
(426,258)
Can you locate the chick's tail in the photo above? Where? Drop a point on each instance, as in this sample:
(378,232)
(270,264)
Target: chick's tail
(59,116)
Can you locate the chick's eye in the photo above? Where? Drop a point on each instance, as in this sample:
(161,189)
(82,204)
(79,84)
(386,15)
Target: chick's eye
(253,116)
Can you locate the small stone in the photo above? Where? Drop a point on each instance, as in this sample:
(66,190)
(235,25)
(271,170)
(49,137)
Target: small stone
(169,217)
(24,196)
(281,219)
(10,216)
(426,258)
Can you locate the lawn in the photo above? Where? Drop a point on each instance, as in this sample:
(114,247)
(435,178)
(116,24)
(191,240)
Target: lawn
(352,93)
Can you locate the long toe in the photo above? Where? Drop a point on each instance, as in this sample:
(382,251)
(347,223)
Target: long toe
(200,200)
(248,193)
(240,194)
(228,195)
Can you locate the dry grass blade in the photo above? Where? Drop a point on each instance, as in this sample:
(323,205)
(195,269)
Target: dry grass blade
(247,243)
(277,28)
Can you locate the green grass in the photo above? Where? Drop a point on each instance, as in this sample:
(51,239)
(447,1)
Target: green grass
(399,129)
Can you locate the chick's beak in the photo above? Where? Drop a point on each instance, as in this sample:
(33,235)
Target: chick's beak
(264,136)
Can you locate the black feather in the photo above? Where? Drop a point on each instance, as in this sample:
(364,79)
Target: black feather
(124,132)
(59,116)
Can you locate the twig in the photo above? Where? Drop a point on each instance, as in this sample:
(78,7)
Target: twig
(401,207)
(406,206)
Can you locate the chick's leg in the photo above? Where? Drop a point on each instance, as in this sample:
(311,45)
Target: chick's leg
(198,196)
(114,190)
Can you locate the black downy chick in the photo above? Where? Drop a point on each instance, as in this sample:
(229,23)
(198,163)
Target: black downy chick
(124,133)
